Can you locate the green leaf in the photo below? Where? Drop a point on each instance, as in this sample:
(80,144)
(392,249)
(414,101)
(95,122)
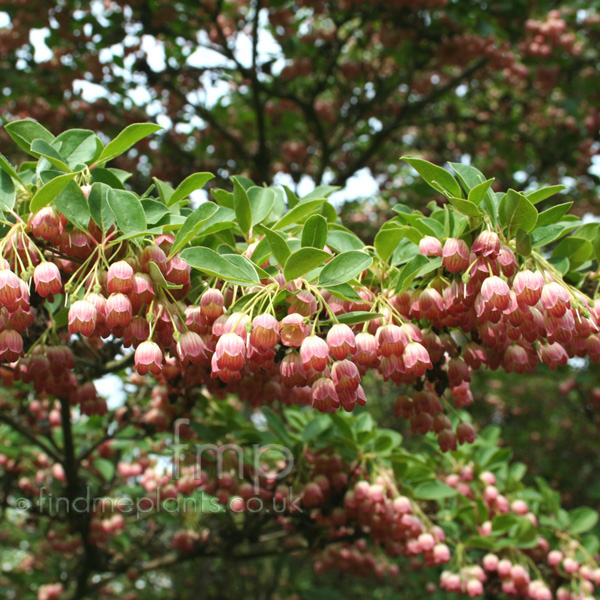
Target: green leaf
(291,198)
(315,428)
(321,191)
(254,272)
(261,203)
(279,247)
(314,232)
(105,467)
(410,271)
(99,208)
(298,213)
(165,191)
(582,519)
(277,426)
(222,198)
(539,195)
(517,212)
(8,194)
(241,205)
(345,291)
(106,176)
(550,233)
(192,225)
(154,210)
(433,175)
(553,215)
(74,205)
(477,193)
(502,523)
(188,185)
(8,168)
(127,138)
(466,207)
(208,261)
(25,131)
(434,490)
(388,238)
(385,441)
(128,210)
(303,261)
(344,267)
(523,243)
(48,192)
(577,250)
(342,241)
(364,422)
(222,220)
(587,232)
(469,176)
(357,316)
(79,146)
(40,147)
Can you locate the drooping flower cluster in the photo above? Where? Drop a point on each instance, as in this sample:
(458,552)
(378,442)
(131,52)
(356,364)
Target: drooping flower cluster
(290,341)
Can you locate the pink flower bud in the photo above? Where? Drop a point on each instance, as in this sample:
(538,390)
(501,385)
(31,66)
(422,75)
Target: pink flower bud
(490,562)
(148,358)
(46,278)
(230,352)
(46,224)
(324,395)
(191,349)
(119,310)
(292,371)
(345,376)
(153,254)
(446,440)
(486,244)
(465,433)
(341,341)
(10,288)
(555,299)
(293,330)
(366,350)
(82,318)
(391,340)
(455,255)
(119,277)
(11,345)
(553,355)
(528,287)
(416,359)
(430,246)
(303,303)
(495,293)
(265,331)
(211,304)
(178,271)
(315,353)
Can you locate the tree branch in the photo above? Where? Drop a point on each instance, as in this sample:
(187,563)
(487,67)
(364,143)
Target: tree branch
(407,110)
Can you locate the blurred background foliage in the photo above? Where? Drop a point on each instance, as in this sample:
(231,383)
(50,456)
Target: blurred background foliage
(309,92)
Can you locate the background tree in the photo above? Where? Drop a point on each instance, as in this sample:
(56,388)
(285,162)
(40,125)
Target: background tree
(322,89)
(317,91)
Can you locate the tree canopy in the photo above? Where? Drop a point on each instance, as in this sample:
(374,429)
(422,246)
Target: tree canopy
(322,89)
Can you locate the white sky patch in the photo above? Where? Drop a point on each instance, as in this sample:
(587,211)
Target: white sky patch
(89,91)
(4,19)
(361,185)
(37,37)
(156,53)
(111,388)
